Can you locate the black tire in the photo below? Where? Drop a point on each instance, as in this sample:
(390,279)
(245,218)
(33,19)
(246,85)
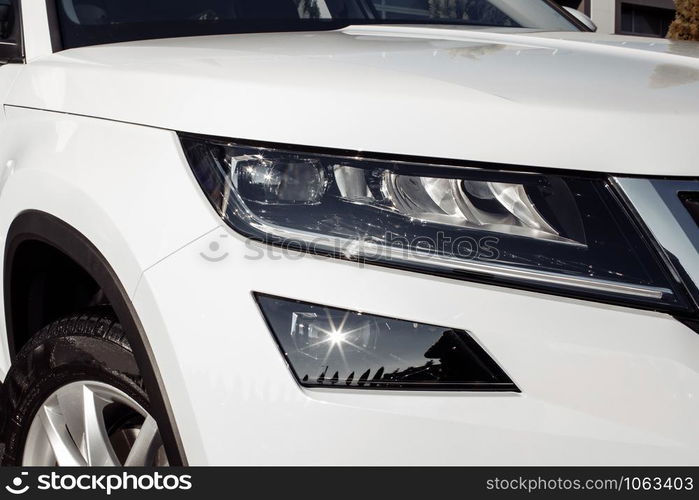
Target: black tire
(88,346)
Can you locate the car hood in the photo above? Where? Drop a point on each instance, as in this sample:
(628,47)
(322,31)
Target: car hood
(562,100)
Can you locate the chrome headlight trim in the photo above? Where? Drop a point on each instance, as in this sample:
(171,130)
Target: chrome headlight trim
(658,204)
(355,250)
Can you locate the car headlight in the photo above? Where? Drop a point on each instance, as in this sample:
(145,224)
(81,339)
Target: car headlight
(565,234)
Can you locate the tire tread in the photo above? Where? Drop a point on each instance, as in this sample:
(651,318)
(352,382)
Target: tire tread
(32,363)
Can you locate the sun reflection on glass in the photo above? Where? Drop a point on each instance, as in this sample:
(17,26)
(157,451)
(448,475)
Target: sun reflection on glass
(336,337)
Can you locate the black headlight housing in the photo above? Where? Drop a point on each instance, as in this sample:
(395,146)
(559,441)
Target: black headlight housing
(563,233)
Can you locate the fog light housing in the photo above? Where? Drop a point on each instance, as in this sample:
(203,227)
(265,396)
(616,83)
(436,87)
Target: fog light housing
(336,348)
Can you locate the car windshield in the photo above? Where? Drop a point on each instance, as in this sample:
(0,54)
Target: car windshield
(92,22)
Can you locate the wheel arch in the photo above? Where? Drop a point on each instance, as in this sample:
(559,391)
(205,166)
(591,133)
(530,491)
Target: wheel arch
(40,229)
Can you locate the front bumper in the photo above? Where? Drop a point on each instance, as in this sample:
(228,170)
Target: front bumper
(600,384)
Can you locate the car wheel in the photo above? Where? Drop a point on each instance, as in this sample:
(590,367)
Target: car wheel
(74,397)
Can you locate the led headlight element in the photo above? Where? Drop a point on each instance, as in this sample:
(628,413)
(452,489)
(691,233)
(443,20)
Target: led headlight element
(565,234)
(328,347)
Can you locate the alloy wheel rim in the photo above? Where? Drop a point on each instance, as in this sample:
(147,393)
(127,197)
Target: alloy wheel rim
(90,423)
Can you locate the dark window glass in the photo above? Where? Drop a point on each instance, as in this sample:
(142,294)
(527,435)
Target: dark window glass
(91,22)
(691,202)
(6,19)
(10,38)
(643,20)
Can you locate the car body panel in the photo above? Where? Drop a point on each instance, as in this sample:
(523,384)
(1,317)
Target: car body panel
(484,96)
(615,386)
(90,137)
(127,189)
(8,74)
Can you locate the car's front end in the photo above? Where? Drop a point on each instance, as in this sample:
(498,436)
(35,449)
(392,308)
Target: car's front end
(388,244)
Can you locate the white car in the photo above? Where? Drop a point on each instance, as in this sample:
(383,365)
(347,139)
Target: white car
(365,232)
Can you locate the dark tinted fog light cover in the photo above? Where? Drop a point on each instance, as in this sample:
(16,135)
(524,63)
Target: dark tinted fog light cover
(336,348)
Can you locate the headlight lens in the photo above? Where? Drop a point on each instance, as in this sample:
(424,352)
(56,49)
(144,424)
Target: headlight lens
(562,233)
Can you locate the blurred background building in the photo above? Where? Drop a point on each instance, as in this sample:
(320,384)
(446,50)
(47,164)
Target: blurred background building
(650,18)
(628,17)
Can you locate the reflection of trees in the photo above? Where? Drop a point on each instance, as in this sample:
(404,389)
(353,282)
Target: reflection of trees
(481,11)
(309,9)
(443,8)
(455,358)
(672,75)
